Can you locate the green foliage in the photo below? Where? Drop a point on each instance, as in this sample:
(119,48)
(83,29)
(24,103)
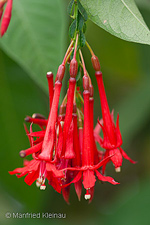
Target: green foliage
(120,18)
(35,37)
(72,28)
(82,11)
(82,39)
(70,7)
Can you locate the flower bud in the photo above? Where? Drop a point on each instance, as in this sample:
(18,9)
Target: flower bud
(62,110)
(85,82)
(38,116)
(91,90)
(74,108)
(60,73)
(73,68)
(95,63)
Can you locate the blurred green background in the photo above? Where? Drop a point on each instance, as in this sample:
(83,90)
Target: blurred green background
(126,70)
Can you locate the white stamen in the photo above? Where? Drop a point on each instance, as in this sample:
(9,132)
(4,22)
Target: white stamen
(118,169)
(38,184)
(87,196)
(43,187)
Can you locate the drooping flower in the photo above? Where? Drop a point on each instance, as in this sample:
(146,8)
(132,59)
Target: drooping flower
(64,150)
(112,139)
(37,170)
(88,170)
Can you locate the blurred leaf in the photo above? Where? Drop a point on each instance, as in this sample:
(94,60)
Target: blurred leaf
(70,7)
(134,210)
(35,37)
(72,28)
(19,96)
(143,3)
(134,110)
(120,18)
(82,11)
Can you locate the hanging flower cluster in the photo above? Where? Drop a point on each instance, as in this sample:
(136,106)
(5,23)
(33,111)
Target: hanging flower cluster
(64,150)
(5,15)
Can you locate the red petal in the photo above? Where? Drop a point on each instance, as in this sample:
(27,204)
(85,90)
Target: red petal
(116,158)
(66,193)
(37,134)
(78,188)
(118,133)
(76,179)
(31,177)
(91,192)
(126,156)
(88,179)
(101,163)
(52,168)
(54,182)
(106,178)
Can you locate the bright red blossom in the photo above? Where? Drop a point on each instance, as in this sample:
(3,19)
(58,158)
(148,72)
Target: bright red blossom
(112,139)
(64,150)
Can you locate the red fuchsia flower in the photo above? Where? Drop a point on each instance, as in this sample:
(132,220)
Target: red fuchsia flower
(37,170)
(45,144)
(42,166)
(88,169)
(64,151)
(7,15)
(112,139)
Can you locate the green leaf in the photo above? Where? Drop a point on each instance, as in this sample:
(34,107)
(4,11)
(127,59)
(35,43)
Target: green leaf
(82,39)
(84,27)
(35,37)
(121,18)
(72,28)
(70,7)
(82,10)
(80,20)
